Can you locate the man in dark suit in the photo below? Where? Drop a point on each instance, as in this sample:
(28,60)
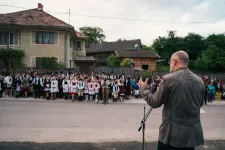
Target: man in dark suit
(182,94)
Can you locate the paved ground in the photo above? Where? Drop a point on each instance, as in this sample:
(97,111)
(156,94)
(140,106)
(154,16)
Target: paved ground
(62,121)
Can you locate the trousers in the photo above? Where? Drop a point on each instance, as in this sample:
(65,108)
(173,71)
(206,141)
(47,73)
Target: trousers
(162,146)
(218,96)
(105,95)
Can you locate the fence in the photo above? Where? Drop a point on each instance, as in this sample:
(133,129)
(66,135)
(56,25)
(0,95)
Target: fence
(39,70)
(115,70)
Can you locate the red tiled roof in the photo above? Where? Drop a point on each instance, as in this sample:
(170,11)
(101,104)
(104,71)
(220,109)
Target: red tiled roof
(136,54)
(32,17)
(80,35)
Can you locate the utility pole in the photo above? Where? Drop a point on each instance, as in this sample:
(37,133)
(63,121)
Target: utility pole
(69,16)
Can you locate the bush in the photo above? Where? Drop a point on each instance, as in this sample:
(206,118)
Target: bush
(126,62)
(113,61)
(61,65)
(12,58)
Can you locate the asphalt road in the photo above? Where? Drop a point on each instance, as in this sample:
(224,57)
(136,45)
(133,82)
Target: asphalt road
(62,122)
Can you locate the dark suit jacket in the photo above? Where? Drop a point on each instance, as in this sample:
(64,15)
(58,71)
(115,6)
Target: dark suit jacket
(182,94)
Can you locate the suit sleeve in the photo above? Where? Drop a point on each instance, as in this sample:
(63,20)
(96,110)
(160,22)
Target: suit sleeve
(158,98)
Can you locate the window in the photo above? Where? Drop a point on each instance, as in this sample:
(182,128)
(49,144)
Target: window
(11,38)
(6,37)
(78,46)
(44,37)
(145,67)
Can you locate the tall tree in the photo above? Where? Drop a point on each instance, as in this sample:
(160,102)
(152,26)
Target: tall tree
(165,46)
(95,34)
(194,45)
(212,59)
(215,39)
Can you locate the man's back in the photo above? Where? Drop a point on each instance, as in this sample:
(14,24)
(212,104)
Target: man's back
(181,111)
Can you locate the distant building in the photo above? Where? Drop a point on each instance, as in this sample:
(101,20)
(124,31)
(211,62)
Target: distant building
(101,51)
(142,60)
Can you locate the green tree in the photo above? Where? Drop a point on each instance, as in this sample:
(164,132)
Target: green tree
(126,62)
(215,39)
(166,46)
(113,61)
(194,45)
(148,48)
(95,34)
(212,59)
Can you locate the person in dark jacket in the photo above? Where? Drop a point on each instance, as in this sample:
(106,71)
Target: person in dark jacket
(181,93)
(1,86)
(127,87)
(60,80)
(17,85)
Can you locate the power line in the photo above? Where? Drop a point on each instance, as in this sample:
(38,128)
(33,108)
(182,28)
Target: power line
(12,6)
(146,20)
(118,18)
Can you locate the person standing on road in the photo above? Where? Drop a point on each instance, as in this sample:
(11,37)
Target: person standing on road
(211,92)
(54,87)
(105,90)
(182,94)
(38,84)
(1,86)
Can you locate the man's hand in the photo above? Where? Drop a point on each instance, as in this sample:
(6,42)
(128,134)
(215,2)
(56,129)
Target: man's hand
(146,81)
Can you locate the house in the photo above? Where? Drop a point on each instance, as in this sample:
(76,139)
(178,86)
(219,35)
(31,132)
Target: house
(101,51)
(40,34)
(145,60)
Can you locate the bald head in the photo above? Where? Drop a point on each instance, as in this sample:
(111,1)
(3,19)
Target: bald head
(182,56)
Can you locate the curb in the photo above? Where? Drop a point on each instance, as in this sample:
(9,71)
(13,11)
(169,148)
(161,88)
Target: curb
(131,101)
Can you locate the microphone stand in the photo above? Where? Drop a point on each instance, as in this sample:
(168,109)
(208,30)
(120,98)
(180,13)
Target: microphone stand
(143,127)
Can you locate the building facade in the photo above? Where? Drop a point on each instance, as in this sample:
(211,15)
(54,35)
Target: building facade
(142,60)
(41,35)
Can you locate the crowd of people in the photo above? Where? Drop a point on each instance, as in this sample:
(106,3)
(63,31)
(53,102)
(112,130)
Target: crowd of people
(214,89)
(88,87)
(74,86)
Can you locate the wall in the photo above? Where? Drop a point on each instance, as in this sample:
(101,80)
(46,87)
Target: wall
(82,52)
(108,70)
(144,61)
(69,54)
(33,50)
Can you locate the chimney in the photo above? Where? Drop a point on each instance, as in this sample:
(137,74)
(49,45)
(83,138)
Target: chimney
(40,6)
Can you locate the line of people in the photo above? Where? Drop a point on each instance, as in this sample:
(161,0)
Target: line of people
(75,86)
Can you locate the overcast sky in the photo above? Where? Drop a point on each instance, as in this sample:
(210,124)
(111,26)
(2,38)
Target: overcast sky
(163,13)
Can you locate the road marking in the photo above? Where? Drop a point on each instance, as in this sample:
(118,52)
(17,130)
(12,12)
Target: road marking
(202,111)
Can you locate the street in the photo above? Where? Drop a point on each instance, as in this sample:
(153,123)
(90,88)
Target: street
(43,121)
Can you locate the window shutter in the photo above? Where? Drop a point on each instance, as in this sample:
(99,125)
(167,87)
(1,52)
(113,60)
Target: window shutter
(16,38)
(33,37)
(56,37)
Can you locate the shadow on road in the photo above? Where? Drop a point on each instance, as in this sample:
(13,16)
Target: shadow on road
(209,145)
